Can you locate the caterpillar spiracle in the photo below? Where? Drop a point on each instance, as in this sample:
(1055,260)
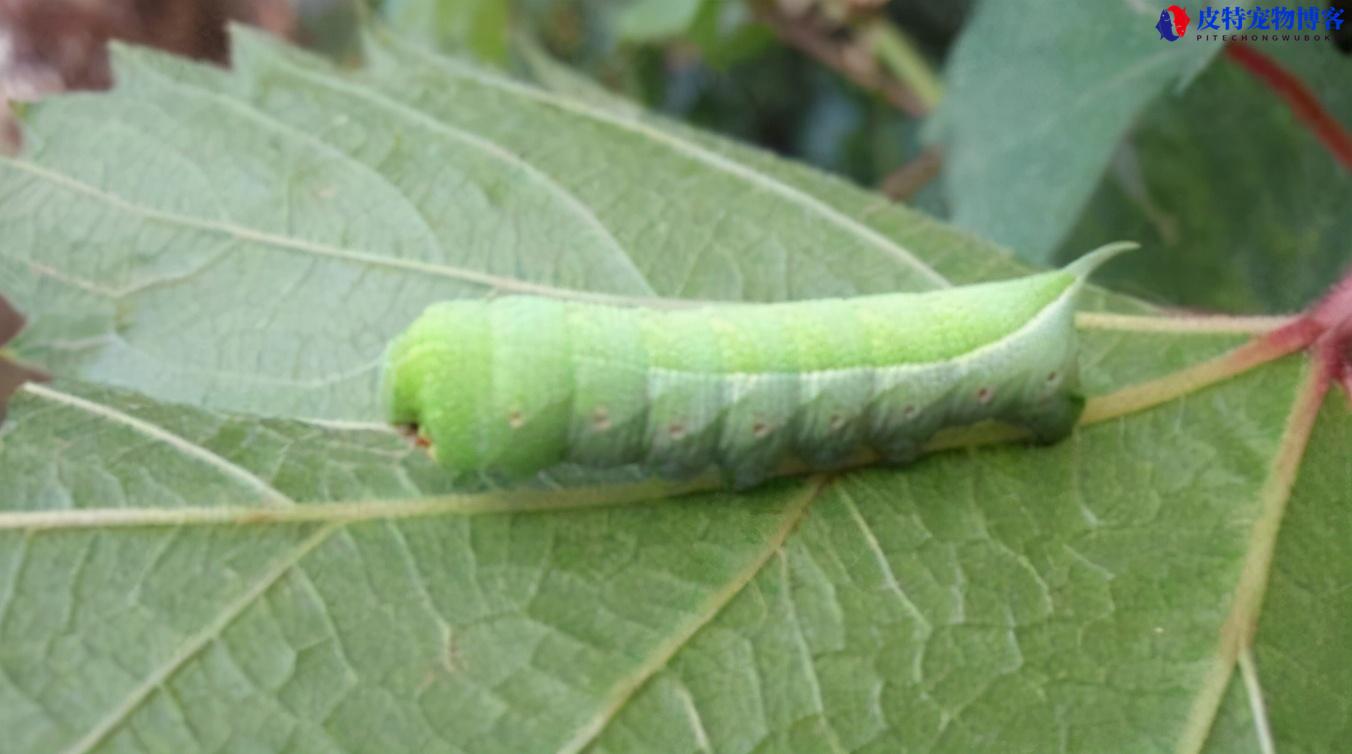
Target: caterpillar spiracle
(507,387)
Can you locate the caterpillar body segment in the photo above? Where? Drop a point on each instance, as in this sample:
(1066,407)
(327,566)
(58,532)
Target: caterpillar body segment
(511,386)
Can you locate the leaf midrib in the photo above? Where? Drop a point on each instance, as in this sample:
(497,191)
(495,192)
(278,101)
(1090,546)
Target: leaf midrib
(1127,400)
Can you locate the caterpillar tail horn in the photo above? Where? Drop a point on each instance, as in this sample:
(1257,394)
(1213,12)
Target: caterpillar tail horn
(1083,267)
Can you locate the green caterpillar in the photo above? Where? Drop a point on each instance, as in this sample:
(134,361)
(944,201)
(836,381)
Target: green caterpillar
(507,387)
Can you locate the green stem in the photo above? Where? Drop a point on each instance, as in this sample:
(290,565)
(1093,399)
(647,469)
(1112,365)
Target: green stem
(899,55)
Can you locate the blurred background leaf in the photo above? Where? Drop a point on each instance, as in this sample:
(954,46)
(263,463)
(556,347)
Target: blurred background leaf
(641,20)
(478,27)
(47,46)
(1039,94)
(1238,204)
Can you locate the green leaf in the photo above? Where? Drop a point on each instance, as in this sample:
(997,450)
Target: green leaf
(478,27)
(206,544)
(1239,205)
(641,20)
(1031,117)
(727,33)
(1302,665)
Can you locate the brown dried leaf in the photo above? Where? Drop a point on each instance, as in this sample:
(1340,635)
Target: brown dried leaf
(12,375)
(51,45)
(11,138)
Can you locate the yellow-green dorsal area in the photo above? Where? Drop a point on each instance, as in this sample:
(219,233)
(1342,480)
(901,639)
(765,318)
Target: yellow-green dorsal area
(422,350)
(804,336)
(870,331)
(950,323)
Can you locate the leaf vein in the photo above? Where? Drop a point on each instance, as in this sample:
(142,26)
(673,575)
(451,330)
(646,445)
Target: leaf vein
(628,686)
(1236,633)
(319,249)
(487,147)
(269,493)
(702,155)
(195,643)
